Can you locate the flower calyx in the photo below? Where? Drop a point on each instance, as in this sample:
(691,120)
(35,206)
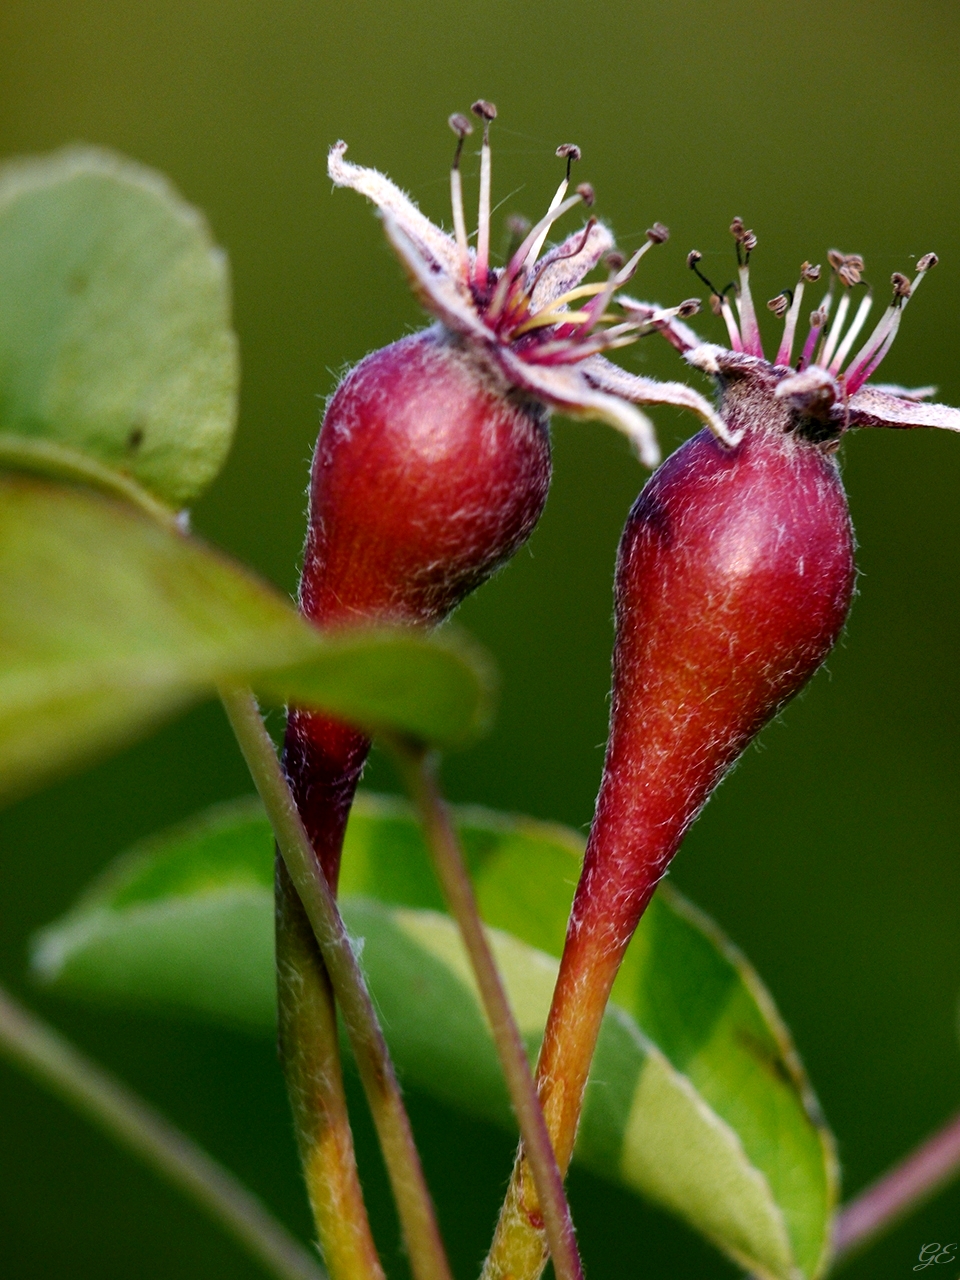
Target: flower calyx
(533,323)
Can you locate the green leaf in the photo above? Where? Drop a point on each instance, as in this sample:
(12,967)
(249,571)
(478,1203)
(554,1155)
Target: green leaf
(437,688)
(697,1099)
(110,621)
(115,334)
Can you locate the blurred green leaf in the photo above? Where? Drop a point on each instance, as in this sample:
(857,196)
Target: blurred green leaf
(437,687)
(109,621)
(697,1099)
(115,334)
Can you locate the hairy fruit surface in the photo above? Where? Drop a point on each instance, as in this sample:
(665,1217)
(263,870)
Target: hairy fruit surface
(426,478)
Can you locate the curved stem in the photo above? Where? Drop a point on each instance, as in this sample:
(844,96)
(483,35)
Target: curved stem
(44,1054)
(414,1206)
(902,1189)
(444,847)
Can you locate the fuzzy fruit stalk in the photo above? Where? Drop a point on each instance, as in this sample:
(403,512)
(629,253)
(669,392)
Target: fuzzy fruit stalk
(734,577)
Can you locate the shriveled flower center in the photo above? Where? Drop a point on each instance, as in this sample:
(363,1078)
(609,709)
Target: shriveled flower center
(504,297)
(828,344)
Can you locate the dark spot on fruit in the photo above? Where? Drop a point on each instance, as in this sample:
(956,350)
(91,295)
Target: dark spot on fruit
(135,439)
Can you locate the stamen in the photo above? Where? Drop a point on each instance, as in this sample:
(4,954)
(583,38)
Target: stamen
(808,275)
(781,303)
(545,318)
(518,262)
(572,253)
(462,127)
(487,112)
(570,152)
(650,319)
(818,319)
(835,329)
(859,320)
(748,316)
(555,310)
(717,300)
(615,266)
(746,242)
(880,341)
(621,273)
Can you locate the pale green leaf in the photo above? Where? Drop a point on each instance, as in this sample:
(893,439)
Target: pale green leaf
(110,621)
(115,335)
(697,1099)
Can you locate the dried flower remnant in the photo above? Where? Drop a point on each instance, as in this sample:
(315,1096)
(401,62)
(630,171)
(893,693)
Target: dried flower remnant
(826,389)
(532,324)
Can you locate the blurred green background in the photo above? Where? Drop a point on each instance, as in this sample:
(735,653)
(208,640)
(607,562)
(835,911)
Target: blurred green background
(831,854)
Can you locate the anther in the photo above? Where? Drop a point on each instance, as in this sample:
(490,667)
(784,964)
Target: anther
(614,261)
(848,267)
(809,274)
(570,152)
(462,127)
(818,318)
(688,308)
(780,304)
(485,110)
(716,304)
(901,285)
(849,274)
(586,194)
(658,233)
(746,241)
(928,261)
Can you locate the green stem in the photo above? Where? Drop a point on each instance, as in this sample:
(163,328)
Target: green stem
(59,462)
(44,1054)
(414,1206)
(310,1055)
(444,847)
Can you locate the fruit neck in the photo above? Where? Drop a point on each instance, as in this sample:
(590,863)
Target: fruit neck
(323,760)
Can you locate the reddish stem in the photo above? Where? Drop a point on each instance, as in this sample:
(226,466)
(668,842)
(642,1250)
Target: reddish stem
(916,1178)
